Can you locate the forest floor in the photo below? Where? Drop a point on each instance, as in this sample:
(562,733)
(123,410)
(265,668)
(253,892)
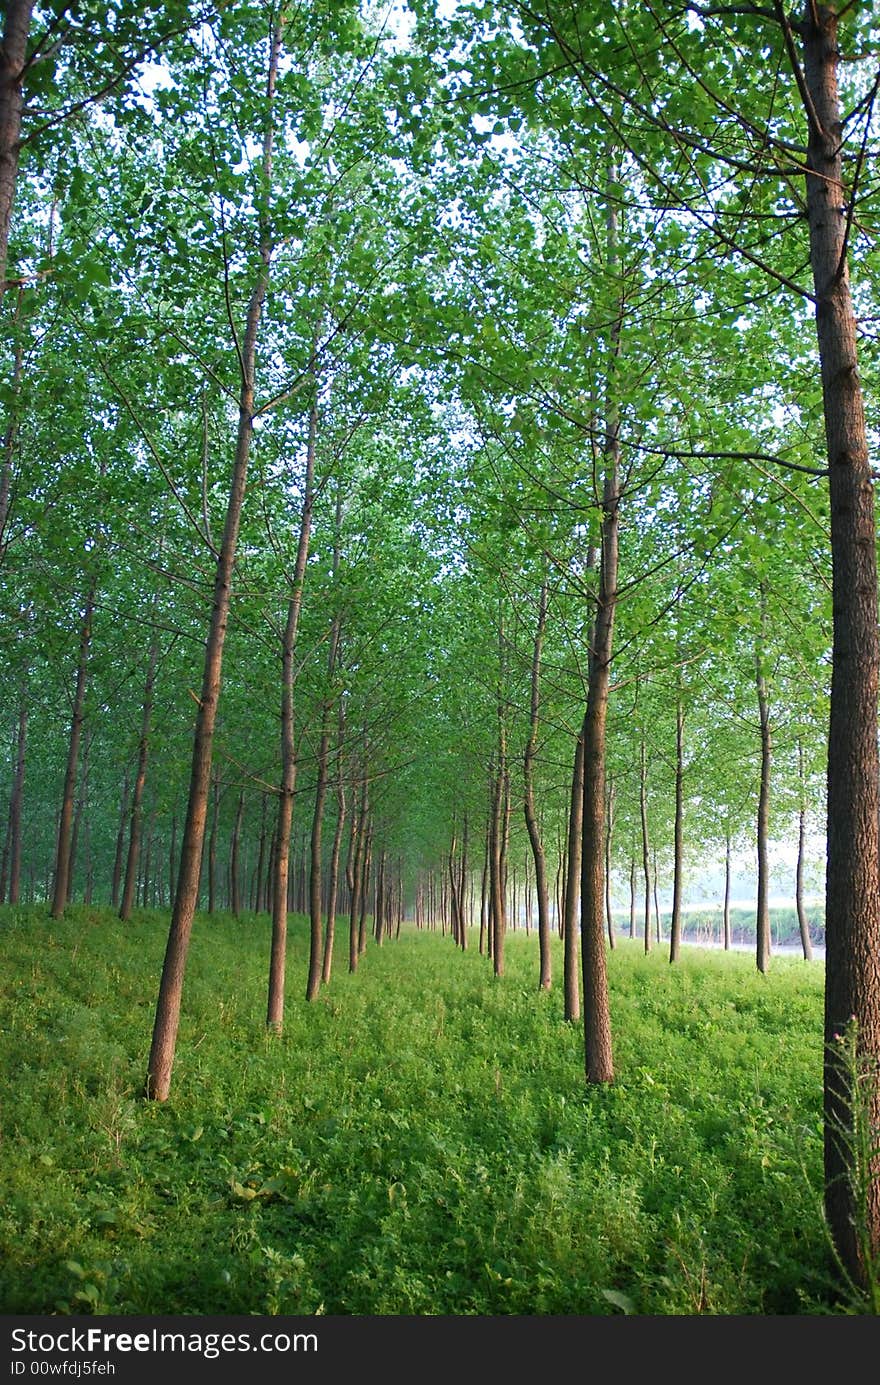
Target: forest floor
(419,1141)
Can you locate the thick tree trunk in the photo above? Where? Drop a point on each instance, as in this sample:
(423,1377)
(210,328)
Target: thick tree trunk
(164,1043)
(65,823)
(852,901)
(572,896)
(678,837)
(544,970)
(135,825)
(13,54)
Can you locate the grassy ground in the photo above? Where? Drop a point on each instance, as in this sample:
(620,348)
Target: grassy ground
(420,1141)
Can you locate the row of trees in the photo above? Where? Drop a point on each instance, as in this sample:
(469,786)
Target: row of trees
(428,405)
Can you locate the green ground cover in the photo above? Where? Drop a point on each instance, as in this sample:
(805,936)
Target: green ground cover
(420,1140)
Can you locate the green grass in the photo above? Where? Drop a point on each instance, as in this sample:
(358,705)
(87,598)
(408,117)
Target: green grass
(420,1140)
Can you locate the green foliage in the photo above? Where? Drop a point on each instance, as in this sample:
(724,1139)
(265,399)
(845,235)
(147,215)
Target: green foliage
(419,1140)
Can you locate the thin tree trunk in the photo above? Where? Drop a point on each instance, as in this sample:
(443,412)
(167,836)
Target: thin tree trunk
(762,921)
(609,831)
(333,878)
(598,1060)
(572,897)
(727,853)
(278,955)
(134,837)
(366,867)
(234,852)
(316,950)
(803,922)
(678,836)
(164,1042)
(212,846)
(544,971)
(116,877)
(15,802)
(646,850)
(63,853)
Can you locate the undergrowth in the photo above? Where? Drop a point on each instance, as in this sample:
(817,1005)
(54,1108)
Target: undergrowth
(419,1141)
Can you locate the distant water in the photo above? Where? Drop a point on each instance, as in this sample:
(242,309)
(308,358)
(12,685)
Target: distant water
(776,949)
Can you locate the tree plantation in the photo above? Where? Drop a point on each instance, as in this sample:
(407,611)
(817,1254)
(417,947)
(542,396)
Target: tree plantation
(436,533)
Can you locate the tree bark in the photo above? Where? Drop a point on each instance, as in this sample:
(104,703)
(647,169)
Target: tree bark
(333,878)
(762,920)
(234,855)
(136,819)
(678,836)
(164,1042)
(803,922)
(278,953)
(316,950)
(544,970)
(609,831)
(13,54)
(65,823)
(646,850)
(15,802)
(572,897)
(852,900)
(598,1060)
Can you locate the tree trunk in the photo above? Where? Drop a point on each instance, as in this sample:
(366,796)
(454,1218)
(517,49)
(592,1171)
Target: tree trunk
(366,867)
(727,852)
(544,971)
(13,53)
(278,954)
(609,830)
(333,879)
(353,874)
(852,901)
(646,850)
(164,1043)
(63,853)
(15,802)
(762,921)
(803,922)
(572,897)
(678,836)
(135,826)
(212,846)
(598,1059)
(316,951)
(234,854)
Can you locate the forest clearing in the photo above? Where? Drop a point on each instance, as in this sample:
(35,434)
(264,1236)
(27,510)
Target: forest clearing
(418,1142)
(438,559)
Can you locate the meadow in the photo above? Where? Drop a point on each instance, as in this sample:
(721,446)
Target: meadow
(419,1141)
